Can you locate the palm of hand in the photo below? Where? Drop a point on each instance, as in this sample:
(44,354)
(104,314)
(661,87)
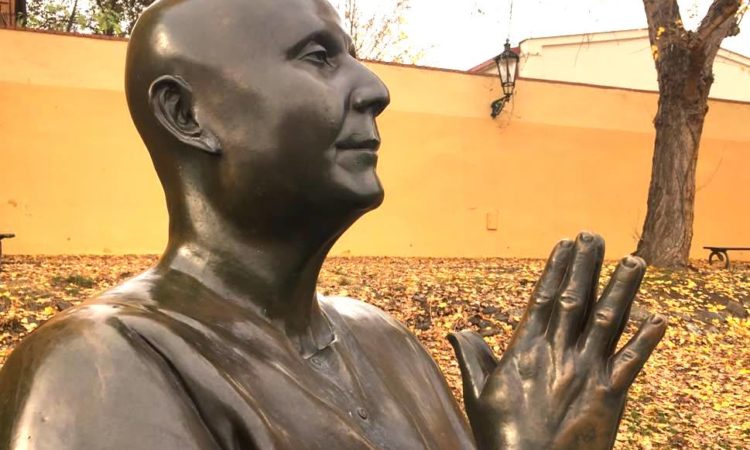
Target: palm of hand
(560,385)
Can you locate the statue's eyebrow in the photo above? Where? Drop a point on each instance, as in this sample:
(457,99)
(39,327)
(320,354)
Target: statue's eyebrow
(326,38)
(349,45)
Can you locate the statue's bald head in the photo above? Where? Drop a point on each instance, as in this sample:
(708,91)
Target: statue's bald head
(240,97)
(201,42)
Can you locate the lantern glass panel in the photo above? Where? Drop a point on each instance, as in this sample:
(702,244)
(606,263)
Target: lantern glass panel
(509,80)
(507,67)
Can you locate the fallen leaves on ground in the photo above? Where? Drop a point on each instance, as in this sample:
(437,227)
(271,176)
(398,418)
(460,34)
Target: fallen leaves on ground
(694,392)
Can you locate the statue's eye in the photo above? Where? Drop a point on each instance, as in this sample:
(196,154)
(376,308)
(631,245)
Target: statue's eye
(317,54)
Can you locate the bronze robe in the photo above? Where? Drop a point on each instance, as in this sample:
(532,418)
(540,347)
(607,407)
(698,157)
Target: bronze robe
(170,365)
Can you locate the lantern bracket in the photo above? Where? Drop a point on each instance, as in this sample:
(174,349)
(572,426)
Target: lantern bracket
(498,105)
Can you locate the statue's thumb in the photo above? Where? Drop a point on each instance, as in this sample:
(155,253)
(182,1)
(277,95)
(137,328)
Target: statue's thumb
(476,360)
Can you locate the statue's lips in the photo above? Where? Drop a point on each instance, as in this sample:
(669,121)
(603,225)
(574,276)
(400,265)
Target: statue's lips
(356,156)
(362,145)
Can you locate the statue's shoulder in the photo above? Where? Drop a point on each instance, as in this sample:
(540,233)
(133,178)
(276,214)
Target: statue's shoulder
(87,363)
(357,314)
(93,334)
(379,335)
(353,309)
(94,322)
(93,331)
(92,316)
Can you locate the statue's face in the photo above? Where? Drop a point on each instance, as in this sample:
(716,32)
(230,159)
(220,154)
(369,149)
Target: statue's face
(293,109)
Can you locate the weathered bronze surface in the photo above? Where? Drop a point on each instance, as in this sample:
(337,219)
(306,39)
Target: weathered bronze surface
(261,126)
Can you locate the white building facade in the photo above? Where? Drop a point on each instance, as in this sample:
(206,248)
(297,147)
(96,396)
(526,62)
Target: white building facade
(621,59)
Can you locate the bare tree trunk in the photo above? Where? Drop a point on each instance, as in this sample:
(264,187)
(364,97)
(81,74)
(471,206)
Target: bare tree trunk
(21,12)
(684,61)
(71,19)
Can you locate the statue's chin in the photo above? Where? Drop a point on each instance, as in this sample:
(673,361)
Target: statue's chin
(373,201)
(358,203)
(358,189)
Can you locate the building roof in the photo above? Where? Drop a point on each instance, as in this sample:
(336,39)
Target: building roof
(601,36)
(481,68)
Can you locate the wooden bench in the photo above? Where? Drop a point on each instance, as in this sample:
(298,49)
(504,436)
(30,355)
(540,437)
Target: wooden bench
(721,254)
(4,236)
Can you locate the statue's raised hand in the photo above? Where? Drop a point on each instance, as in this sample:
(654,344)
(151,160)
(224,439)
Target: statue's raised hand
(560,384)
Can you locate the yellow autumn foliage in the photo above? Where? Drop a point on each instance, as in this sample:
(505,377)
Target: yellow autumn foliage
(693,394)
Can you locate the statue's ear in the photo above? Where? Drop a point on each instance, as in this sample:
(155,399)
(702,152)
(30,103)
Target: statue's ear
(172,102)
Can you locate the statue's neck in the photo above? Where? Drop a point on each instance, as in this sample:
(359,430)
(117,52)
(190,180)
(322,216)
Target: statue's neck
(268,259)
(273,278)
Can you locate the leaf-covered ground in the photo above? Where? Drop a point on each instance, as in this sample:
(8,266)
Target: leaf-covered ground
(694,392)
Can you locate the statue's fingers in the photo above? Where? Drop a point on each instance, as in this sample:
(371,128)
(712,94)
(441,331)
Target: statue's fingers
(475,359)
(610,314)
(577,292)
(628,362)
(536,318)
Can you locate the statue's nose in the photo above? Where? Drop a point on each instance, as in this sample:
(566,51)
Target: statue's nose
(370,95)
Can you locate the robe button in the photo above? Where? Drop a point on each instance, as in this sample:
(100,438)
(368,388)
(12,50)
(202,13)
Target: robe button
(362,413)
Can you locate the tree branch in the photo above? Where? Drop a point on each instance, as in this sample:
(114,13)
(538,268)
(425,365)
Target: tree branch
(719,21)
(663,16)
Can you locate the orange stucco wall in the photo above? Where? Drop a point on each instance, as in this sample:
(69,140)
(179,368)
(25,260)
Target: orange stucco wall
(75,178)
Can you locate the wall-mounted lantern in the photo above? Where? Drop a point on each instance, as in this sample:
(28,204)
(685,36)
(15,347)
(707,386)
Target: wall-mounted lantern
(507,67)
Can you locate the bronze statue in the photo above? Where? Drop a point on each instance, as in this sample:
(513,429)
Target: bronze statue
(261,126)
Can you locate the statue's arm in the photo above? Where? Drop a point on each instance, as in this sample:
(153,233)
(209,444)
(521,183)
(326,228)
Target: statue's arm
(80,385)
(562,383)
